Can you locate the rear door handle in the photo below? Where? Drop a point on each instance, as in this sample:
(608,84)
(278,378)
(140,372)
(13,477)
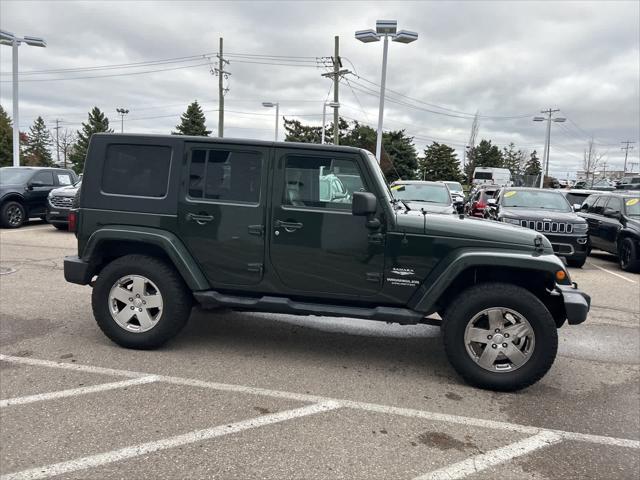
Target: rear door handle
(199,219)
(288,226)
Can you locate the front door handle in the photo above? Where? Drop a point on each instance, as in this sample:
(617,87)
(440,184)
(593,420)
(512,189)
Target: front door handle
(199,219)
(288,226)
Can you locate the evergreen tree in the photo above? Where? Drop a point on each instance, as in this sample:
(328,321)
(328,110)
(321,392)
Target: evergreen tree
(36,151)
(6,139)
(440,162)
(402,160)
(96,123)
(297,132)
(483,155)
(513,159)
(533,166)
(192,122)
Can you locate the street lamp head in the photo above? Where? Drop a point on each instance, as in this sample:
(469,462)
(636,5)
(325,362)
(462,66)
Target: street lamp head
(367,36)
(539,119)
(34,41)
(560,119)
(405,36)
(268,104)
(386,27)
(6,38)
(122,111)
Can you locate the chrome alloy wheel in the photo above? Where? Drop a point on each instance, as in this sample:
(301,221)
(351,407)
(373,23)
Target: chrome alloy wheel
(499,339)
(14,216)
(135,303)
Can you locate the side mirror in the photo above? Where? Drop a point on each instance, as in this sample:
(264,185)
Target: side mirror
(576,207)
(364,204)
(492,202)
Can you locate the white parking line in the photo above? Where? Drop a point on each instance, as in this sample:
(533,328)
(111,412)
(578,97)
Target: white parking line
(372,407)
(171,442)
(72,392)
(494,457)
(613,273)
(27,229)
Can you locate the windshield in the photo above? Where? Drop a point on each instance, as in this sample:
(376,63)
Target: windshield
(11,175)
(632,206)
(534,199)
(454,186)
(421,192)
(483,175)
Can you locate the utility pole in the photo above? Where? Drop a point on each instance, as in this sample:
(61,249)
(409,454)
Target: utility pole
(626,148)
(57,129)
(222,75)
(547,140)
(336,75)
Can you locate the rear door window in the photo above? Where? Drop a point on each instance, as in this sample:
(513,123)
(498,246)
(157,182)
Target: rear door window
(225,175)
(136,170)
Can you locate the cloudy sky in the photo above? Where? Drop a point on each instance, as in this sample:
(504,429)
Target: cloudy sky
(507,60)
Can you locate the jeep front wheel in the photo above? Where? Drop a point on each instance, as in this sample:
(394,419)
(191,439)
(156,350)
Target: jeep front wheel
(500,337)
(140,302)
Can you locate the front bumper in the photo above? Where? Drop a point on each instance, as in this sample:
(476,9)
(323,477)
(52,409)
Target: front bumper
(57,215)
(77,270)
(569,246)
(576,303)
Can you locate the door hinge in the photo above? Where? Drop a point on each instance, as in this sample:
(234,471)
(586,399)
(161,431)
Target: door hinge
(374,277)
(256,230)
(255,267)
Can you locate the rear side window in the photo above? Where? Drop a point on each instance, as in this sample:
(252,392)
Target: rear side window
(136,170)
(225,175)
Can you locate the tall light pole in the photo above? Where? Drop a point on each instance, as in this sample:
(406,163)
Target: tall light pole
(8,38)
(122,112)
(385,29)
(547,140)
(271,105)
(324,116)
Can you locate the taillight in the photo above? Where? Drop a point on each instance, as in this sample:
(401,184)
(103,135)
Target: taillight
(73,220)
(481,205)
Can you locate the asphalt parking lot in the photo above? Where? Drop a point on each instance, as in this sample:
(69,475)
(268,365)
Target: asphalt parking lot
(244,396)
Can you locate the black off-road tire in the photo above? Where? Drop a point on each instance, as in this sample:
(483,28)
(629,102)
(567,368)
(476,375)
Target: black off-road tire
(177,301)
(12,214)
(629,259)
(480,297)
(576,262)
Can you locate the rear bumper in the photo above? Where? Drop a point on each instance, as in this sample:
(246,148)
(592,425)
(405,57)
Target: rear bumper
(576,303)
(77,270)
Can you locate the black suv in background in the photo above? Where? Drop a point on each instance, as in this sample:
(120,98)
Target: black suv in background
(614,226)
(24,191)
(548,212)
(59,204)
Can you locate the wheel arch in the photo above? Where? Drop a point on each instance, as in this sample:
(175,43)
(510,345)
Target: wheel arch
(107,244)
(535,273)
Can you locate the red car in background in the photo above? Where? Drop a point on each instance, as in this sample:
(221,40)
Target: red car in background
(478,203)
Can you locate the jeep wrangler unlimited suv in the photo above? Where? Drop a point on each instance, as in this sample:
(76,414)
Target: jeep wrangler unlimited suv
(164,221)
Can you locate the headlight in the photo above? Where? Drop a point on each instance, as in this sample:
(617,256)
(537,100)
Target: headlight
(580,227)
(512,221)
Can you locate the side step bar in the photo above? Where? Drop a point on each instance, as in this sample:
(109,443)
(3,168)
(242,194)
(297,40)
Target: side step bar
(213,299)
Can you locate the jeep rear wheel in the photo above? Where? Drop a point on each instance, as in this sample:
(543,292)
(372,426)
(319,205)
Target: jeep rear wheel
(140,302)
(12,214)
(500,337)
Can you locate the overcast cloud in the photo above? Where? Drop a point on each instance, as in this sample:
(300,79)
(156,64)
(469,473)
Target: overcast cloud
(498,58)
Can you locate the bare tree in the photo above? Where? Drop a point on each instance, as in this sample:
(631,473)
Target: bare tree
(592,160)
(66,141)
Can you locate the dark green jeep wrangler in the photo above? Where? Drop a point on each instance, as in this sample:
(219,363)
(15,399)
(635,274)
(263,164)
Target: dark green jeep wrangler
(249,225)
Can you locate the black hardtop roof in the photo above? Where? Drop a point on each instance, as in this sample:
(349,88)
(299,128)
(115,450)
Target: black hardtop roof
(233,141)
